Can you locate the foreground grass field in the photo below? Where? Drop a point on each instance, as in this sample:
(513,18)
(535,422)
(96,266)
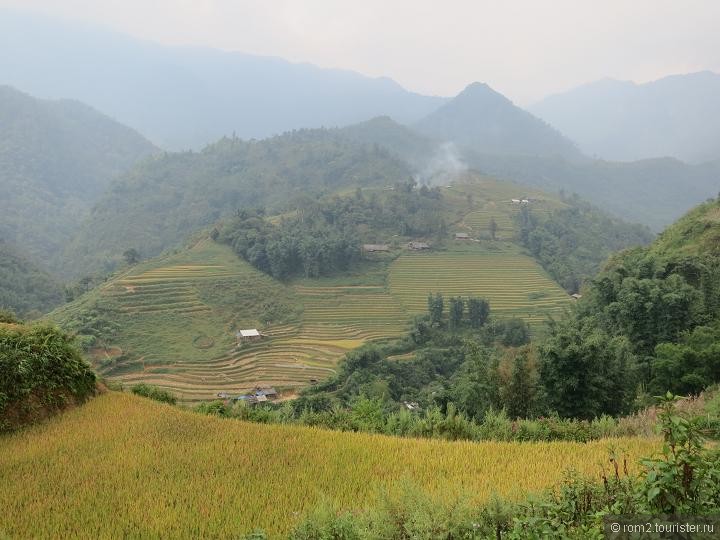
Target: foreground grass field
(123,466)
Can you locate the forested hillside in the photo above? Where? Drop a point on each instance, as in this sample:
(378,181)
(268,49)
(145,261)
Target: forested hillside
(650,322)
(572,243)
(163,201)
(56,157)
(24,288)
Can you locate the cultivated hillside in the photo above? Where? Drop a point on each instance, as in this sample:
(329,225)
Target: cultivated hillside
(126,463)
(677,116)
(24,287)
(276,273)
(485,121)
(654,192)
(184,97)
(162,201)
(56,157)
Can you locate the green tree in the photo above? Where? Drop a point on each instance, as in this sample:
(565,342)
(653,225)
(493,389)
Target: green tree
(493,228)
(478,312)
(131,256)
(516,332)
(436,306)
(7,316)
(522,390)
(585,372)
(457,310)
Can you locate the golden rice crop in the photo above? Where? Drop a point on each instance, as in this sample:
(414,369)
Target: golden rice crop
(125,466)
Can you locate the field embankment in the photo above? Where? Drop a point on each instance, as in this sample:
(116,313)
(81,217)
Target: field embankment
(126,466)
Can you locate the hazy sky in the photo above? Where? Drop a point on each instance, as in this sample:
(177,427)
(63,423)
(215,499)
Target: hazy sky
(525,49)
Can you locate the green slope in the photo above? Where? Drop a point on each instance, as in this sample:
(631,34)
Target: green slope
(171,320)
(25,288)
(56,157)
(163,201)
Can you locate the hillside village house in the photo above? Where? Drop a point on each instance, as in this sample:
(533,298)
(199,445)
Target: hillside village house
(259,395)
(418,246)
(374,248)
(462,236)
(251,334)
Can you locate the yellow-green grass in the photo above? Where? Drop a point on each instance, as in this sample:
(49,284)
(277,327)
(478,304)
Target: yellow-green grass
(365,312)
(123,466)
(176,318)
(514,284)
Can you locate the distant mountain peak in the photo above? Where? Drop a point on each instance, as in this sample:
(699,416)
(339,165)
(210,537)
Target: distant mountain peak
(483,120)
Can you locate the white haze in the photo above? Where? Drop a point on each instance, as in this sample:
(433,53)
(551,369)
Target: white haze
(444,165)
(525,49)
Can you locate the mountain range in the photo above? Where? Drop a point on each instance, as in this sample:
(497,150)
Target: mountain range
(677,116)
(182,97)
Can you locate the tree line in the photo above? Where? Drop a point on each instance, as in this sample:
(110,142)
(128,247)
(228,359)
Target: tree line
(320,238)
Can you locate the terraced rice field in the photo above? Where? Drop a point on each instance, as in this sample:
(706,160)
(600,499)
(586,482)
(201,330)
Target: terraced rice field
(515,285)
(170,288)
(351,312)
(283,359)
(502,213)
(487,198)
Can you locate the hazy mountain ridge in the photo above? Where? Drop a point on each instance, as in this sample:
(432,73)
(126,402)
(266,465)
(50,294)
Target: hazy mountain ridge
(56,157)
(183,97)
(484,120)
(677,116)
(654,192)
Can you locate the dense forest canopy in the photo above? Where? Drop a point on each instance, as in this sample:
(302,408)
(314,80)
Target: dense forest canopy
(165,200)
(56,157)
(25,288)
(572,243)
(323,237)
(648,323)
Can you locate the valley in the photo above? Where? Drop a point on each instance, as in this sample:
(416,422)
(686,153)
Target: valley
(196,299)
(252,287)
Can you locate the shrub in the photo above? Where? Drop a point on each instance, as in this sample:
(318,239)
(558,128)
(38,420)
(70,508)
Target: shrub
(153,392)
(41,371)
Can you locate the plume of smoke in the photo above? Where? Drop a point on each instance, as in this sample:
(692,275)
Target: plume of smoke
(445,164)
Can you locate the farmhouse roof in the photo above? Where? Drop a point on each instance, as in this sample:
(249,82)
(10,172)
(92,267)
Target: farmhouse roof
(418,245)
(251,332)
(376,247)
(462,235)
(576,296)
